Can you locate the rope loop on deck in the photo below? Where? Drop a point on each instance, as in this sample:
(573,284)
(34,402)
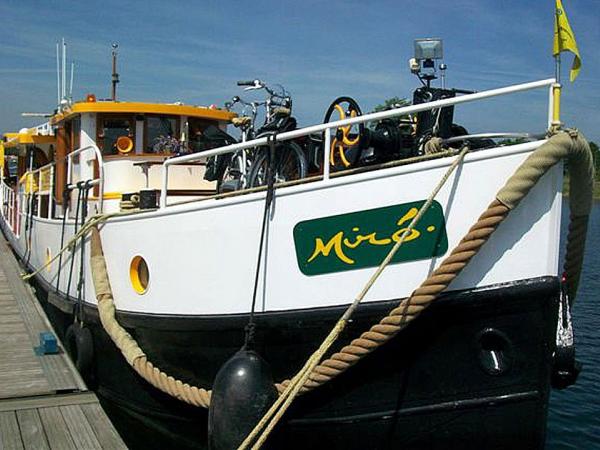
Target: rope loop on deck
(569,145)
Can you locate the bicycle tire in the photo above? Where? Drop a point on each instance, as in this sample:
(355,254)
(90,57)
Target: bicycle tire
(290,164)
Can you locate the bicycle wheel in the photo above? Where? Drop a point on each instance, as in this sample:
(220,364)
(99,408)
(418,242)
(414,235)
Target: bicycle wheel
(290,164)
(345,143)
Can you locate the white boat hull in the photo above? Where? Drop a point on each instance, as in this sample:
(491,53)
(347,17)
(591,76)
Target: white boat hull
(202,255)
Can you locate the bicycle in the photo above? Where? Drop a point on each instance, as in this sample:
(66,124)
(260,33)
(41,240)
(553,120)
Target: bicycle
(234,175)
(290,162)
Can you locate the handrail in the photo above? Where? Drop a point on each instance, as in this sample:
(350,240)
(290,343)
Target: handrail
(412,109)
(69,158)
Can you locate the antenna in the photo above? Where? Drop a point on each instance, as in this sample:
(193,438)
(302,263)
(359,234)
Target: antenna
(71,84)
(115,75)
(57,75)
(64,69)
(28,114)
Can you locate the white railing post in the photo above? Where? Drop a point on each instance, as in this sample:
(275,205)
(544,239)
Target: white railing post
(51,193)
(66,209)
(326,153)
(39,199)
(165,181)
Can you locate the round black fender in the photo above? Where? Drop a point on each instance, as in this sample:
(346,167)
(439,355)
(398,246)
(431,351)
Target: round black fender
(242,393)
(80,345)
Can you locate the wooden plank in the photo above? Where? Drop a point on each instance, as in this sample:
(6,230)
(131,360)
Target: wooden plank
(44,401)
(10,436)
(9,308)
(31,429)
(13,338)
(79,428)
(59,370)
(106,434)
(56,429)
(59,375)
(14,364)
(23,388)
(13,328)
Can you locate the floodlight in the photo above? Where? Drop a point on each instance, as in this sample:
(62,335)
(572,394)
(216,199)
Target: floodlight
(428,49)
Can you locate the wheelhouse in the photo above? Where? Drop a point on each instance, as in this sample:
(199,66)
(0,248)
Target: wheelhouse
(123,143)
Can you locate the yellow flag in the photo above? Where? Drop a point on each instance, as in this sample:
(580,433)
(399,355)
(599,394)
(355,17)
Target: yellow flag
(564,39)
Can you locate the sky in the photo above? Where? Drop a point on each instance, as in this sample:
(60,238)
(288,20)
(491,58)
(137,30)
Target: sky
(195,52)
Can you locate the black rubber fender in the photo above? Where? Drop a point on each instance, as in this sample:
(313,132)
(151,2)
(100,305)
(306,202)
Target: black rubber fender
(80,345)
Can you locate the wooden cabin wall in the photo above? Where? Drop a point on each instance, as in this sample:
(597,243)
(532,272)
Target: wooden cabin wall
(62,143)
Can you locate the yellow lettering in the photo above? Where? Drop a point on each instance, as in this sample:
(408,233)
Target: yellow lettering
(338,242)
(414,234)
(370,238)
(335,244)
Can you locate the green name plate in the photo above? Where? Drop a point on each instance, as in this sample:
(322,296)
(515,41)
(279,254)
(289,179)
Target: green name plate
(364,238)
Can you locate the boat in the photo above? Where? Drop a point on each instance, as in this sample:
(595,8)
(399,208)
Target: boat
(447,250)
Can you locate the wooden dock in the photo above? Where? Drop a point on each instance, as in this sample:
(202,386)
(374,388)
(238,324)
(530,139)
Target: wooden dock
(44,403)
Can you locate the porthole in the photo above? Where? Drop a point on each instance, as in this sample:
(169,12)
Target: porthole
(139,275)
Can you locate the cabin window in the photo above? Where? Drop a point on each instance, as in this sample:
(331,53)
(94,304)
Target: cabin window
(198,140)
(111,130)
(161,134)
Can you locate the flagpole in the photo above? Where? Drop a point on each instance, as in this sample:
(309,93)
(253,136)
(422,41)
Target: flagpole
(556,87)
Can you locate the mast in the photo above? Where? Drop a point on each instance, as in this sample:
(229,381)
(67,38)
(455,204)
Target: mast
(71,83)
(115,75)
(57,75)
(64,69)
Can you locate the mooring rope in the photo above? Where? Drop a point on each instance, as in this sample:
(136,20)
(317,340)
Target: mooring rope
(291,390)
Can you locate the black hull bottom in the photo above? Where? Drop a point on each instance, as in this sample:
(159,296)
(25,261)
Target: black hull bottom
(472,372)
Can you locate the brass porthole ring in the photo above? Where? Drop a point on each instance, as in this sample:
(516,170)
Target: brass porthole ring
(139,275)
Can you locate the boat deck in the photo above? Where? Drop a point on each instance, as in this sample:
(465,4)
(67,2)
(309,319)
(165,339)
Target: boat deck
(44,403)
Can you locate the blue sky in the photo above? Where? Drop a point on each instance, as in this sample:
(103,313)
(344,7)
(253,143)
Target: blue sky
(195,51)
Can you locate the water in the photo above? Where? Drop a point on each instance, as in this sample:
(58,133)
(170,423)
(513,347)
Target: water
(574,416)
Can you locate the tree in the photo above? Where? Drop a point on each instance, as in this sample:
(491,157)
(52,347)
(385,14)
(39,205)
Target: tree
(391,103)
(596,156)
(394,102)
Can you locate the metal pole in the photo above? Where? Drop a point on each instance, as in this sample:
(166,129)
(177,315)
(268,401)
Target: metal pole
(115,75)
(64,69)
(556,92)
(51,193)
(326,154)
(165,182)
(66,211)
(71,84)
(57,75)
(39,199)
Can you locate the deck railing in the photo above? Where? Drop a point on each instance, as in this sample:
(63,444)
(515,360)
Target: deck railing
(42,181)
(326,127)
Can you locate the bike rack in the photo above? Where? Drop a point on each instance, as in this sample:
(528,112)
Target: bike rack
(413,109)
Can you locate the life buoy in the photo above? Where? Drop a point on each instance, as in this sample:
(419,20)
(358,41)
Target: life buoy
(80,346)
